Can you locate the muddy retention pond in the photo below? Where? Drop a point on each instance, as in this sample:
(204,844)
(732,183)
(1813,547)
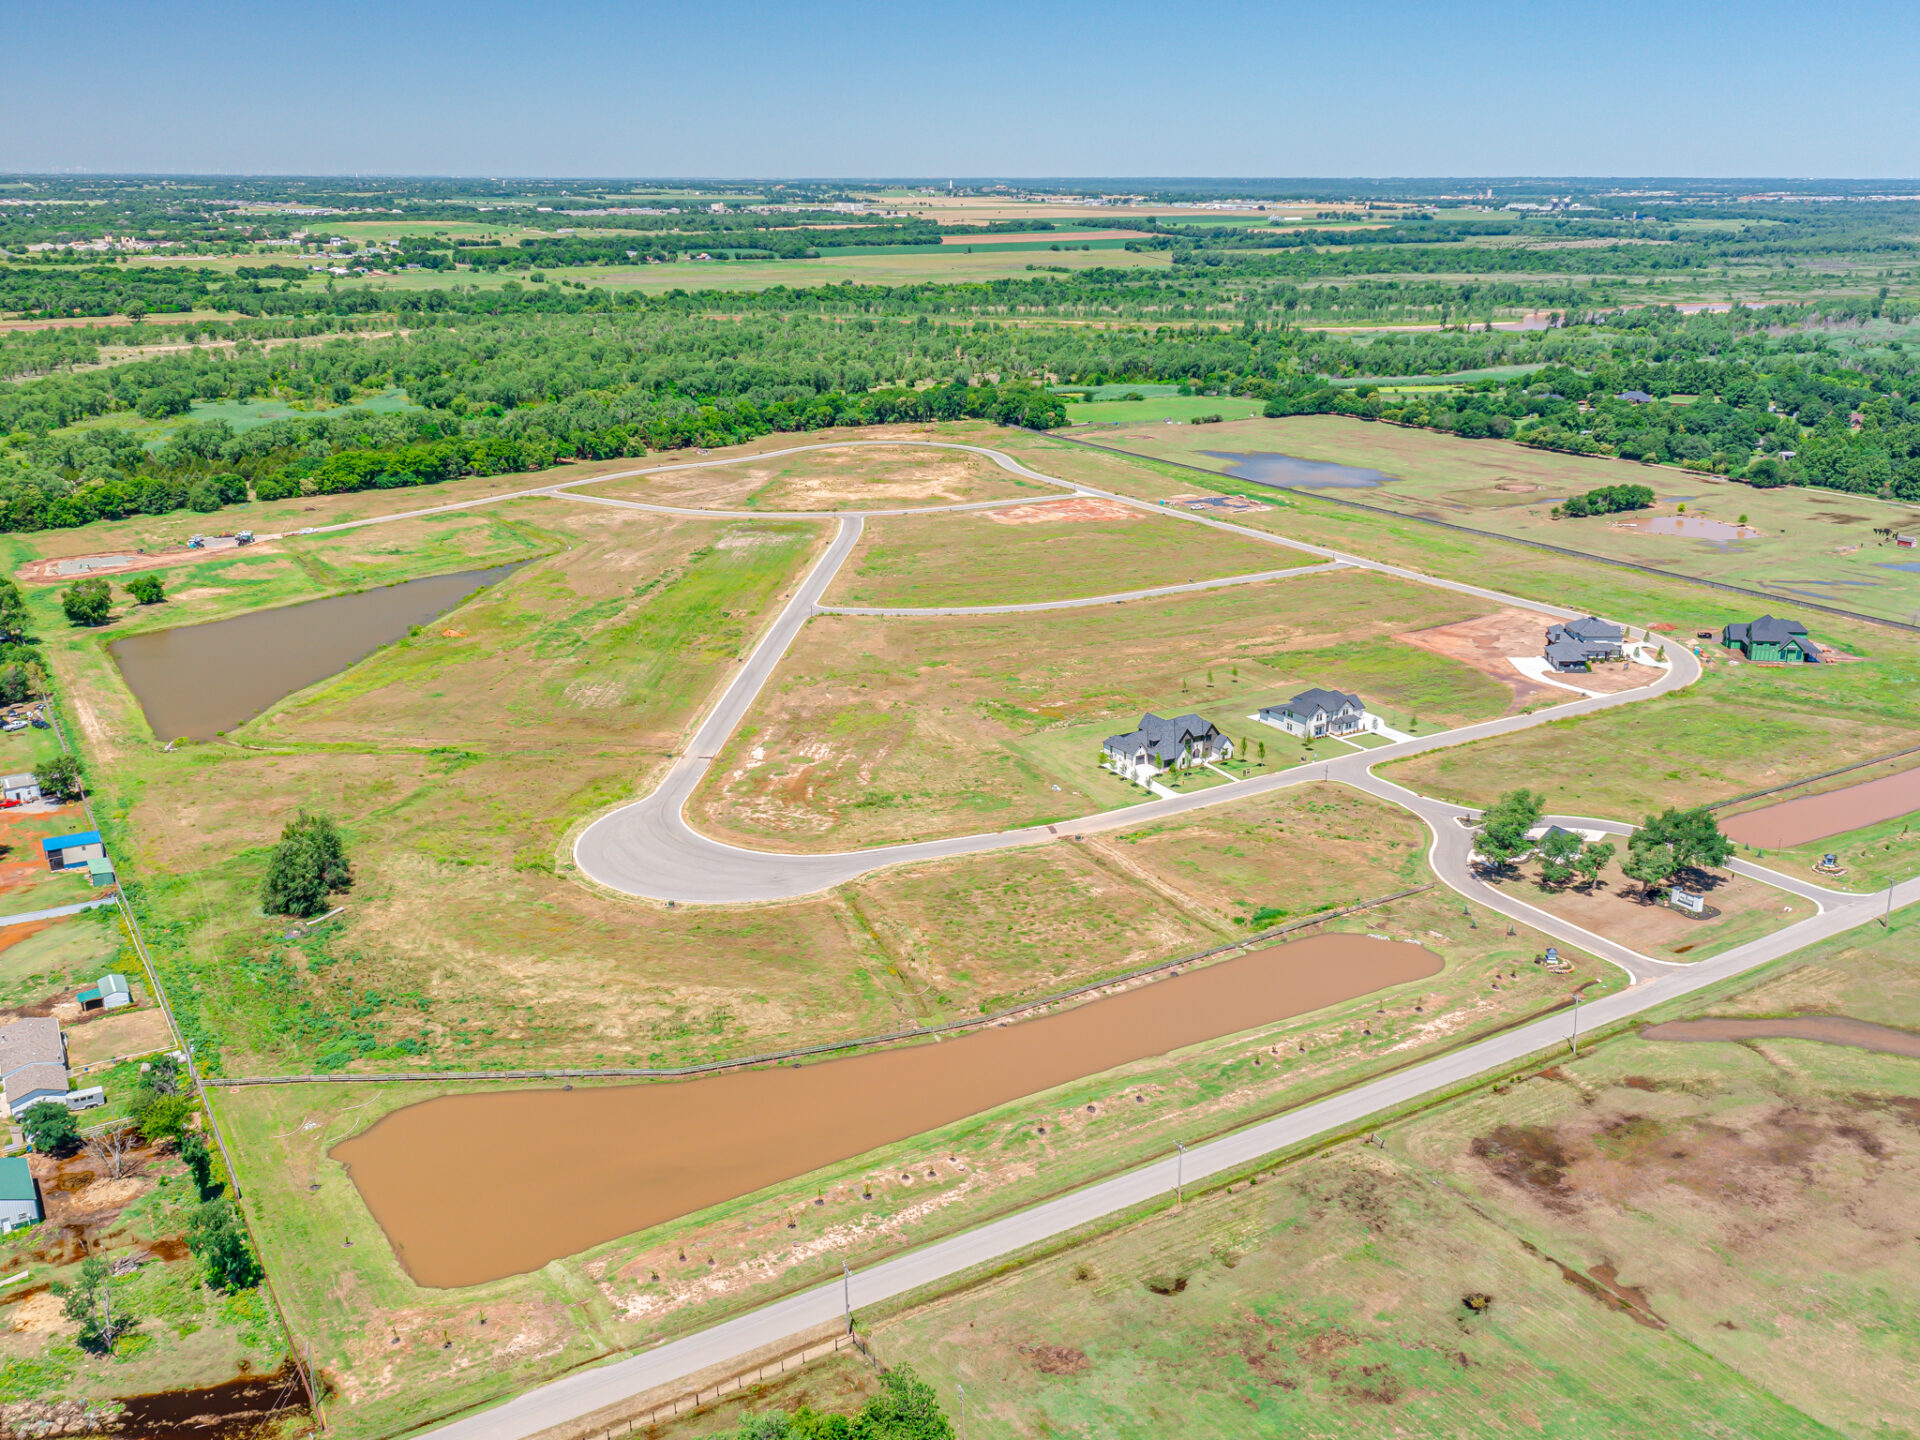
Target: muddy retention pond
(471,1188)
(195,681)
(1815,817)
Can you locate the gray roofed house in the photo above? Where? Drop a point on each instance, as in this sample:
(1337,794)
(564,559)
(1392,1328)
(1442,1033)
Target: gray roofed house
(22,789)
(1160,744)
(1634,397)
(1319,712)
(1568,655)
(33,1063)
(1592,638)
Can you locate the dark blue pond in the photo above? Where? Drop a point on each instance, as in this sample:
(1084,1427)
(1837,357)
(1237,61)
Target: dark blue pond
(1289,472)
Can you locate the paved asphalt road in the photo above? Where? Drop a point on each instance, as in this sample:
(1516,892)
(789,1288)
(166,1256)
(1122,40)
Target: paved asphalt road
(584,1393)
(647,848)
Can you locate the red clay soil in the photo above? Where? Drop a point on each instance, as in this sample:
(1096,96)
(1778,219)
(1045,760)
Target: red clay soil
(471,1188)
(1486,643)
(1064,511)
(1815,817)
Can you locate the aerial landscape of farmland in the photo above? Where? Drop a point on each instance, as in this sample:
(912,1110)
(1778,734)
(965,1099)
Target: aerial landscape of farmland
(696,778)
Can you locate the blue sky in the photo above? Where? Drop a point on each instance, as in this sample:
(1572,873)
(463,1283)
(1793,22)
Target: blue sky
(588,87)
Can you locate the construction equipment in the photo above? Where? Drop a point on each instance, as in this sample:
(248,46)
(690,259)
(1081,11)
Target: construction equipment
(245,537)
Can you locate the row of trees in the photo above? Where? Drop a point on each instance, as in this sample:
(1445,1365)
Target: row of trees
(1663,847)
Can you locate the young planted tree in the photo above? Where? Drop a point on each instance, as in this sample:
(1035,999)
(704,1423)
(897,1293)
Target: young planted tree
(308,865)
(87,602)
(1504,826)
(147,589)
(89,1300)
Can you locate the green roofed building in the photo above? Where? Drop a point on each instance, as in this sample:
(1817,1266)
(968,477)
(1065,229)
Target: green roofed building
(19,1196)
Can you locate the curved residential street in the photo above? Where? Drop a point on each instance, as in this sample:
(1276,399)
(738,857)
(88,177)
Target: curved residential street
(648,849)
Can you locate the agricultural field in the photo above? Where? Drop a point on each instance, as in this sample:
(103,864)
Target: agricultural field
(878,729)
(1640,1230)
(1791,542)
(830,478)
(1052,549)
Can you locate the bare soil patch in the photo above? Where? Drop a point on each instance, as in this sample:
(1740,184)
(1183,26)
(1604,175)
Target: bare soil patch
(1832,812)
(1064,512)
(835,478)
(1614,907)
(1485,643)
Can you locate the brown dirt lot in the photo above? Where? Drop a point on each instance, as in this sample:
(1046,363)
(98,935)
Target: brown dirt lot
(849,477)
(118,1034)
(983,559)
(876,730)
(1614,909)
(1064,512)
(1487,642)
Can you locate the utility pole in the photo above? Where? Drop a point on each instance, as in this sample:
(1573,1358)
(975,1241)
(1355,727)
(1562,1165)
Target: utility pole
(846,1292)
(963,1412)
(1573,1045)
(1180,1176)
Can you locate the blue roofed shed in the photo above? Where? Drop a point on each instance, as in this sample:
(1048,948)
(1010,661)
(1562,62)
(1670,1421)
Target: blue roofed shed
(72,852)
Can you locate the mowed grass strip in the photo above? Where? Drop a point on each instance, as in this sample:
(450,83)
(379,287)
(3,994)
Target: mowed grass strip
(1057,551)
(875,730)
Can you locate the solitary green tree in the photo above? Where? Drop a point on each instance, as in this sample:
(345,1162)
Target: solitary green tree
(1672,841)
(198,1160)
(87,602)
(308,865)
(51,1128)
(219,1243)
(147,589)
(60,777)
(89,1300)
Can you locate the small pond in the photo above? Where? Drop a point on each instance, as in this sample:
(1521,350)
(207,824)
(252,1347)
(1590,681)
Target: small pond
(1696,527)
(195,681)
(1289,472)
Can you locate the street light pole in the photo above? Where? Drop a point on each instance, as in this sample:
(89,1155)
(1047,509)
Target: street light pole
(1180,1176)
(1573,1045)
(963,1412)
(846,1292)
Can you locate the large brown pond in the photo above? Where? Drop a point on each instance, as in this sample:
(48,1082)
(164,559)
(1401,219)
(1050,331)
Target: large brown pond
(1815,817)
(195,681)
(470,1188)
